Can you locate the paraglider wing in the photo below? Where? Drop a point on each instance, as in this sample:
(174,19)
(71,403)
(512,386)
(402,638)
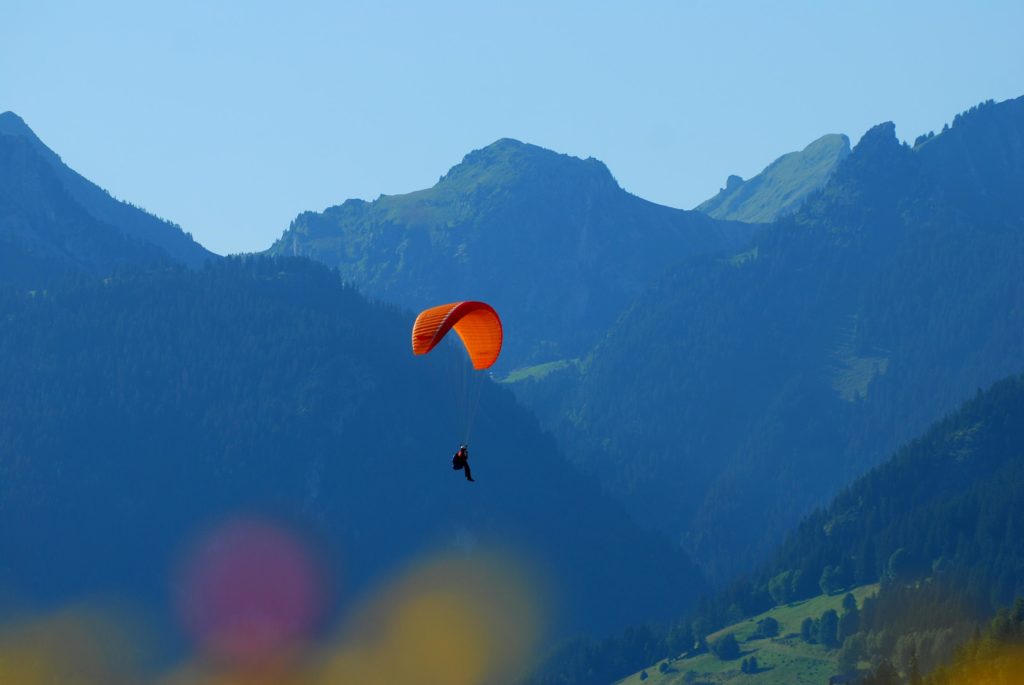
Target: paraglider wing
(476,323)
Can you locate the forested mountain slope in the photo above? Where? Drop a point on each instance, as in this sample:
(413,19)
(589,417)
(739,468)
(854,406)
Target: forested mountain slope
(797,364)
(44,233)
(54,218)
(551,241)
(949,505)
(136,410)
(938,526)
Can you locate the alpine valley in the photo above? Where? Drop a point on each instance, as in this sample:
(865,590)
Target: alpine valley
(772,439)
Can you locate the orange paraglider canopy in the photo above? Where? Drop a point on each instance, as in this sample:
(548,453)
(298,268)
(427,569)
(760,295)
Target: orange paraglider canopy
(476,323)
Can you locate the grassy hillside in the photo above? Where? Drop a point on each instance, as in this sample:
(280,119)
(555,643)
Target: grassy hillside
(538,371)
(783,185)
(785,658)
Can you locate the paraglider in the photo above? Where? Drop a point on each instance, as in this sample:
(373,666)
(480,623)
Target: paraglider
(460,462)
(476,323)
(479,328)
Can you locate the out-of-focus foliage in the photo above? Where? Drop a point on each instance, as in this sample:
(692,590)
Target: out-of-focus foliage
(994,658)
(76,646)
(451,620)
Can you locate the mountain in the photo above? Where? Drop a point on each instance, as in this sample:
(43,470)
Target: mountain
(551,241)
(140,409)
(783,185)
(937,524)
(797,364)
(946,505)
(44,233)
(929,543)
(55,219)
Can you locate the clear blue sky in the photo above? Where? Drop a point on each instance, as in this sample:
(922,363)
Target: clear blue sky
(231,118)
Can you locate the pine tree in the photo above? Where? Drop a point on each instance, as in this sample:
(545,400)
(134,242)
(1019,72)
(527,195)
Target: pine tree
(914,675)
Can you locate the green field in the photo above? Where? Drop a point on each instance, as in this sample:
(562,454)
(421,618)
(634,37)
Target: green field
(538,371)
(782,660)
(851,372)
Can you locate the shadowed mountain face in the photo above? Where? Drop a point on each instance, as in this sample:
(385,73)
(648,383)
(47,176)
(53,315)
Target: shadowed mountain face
(934,531)
(139,410)
(738,393)
(53,220)
(45,233)
(550,240)
(946,504)
(783,185)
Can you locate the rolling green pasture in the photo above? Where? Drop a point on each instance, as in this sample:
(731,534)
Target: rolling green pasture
(782,660)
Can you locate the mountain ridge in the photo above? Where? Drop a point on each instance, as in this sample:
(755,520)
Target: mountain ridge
(46,234)
(131,221)
(795,365)
(781,187)
(552,241)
